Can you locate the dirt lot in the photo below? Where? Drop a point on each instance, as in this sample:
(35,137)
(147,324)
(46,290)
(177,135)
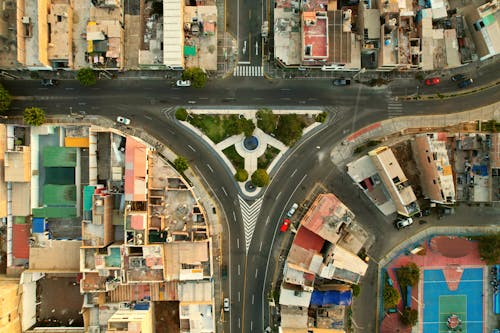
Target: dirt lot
(167,317)
(404,155)
(60,301)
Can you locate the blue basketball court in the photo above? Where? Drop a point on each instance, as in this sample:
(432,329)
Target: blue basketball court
(440,303)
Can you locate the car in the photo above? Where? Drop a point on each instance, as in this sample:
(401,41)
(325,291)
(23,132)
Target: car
(226,304)
(465,83)
(432,81)
(175,68)
(285,225)
(458,77)
(292,210)
(183,83)
(341,82)
(49,83)
(122,120)
(402,223)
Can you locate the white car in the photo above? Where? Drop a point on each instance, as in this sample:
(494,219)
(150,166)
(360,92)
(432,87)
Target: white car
(226,304)
(183,83)
(292,210)
(403,223)
(122,120)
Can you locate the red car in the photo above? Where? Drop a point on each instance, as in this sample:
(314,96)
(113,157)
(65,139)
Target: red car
(284,226)
(432,81)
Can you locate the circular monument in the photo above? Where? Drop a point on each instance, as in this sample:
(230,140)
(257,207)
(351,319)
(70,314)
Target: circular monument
(250,143)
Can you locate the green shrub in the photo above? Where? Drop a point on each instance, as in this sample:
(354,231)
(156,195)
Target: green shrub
(266,120)
(489,248)
(260,178)
(34,116)
(196,75)
(181,114)
(391,297)
(409,317)
(5,99)
(241,175)
(289,129)
(86,77)
(408,275)
(356,289)
(321,118)
(181,164)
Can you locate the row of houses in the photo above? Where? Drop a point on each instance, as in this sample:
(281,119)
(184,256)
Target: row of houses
(320,267)
(449,167)
(383,34)
(101,218)
(71,34)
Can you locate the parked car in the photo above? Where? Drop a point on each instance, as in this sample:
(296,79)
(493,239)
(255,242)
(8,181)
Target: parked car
(402,223)
(226,304)
(292,210)
(458,77)
(183,83)
(49,83)
(285,225)
(432,81)
(341,82)
(465,83)
(122,120)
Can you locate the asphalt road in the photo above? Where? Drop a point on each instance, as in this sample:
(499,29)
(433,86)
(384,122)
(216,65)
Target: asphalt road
(249,14)
(150,104)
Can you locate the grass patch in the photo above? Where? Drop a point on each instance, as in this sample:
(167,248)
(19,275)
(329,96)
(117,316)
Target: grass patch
(265,160)
(211,126)
(236,160)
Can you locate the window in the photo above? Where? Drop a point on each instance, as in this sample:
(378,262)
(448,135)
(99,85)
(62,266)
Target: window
(59,18)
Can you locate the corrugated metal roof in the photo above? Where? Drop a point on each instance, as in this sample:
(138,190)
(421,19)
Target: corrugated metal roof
(59,195)
(54,212)
(59,157)
(20,241)
(172,33)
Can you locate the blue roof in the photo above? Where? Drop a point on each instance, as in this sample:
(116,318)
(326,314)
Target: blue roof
(38,225)
(332,297)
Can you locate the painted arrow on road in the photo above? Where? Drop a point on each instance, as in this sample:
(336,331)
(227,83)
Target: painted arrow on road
(250,213)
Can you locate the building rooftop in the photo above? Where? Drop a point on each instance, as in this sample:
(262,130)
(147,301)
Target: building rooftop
(293,317)
(315,35)
(339,35)
(56,255)
(327,216)
(61,24)
(135,170)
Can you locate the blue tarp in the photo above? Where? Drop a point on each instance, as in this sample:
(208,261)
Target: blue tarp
(333,297)
(141,306)
(408,296)
(38,225)
(480,170)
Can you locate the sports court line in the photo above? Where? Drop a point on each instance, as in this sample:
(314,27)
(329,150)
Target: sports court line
(461,280)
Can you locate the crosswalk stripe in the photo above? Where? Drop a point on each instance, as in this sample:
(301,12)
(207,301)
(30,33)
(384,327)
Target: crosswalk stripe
(250,214)
(241,70)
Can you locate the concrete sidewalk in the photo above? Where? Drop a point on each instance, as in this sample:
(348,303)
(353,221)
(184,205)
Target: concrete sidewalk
(343,152)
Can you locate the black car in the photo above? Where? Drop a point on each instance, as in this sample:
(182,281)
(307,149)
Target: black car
(49,83)
(458,77)
(341,82)
(465,83)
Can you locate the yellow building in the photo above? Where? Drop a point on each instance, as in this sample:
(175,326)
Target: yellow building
(9,305)
(131,321)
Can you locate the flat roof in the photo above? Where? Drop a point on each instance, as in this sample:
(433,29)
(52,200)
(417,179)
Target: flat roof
(56,255)
(315,35)
(173,36)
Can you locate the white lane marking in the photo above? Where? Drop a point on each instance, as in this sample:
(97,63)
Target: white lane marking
(256,272)
(260,247)
(293,173)
(239,297)
(238,242)
(224,190)
(211,170)
(190,147)
(251,325)
(278,196)
(148,117)
(267,220)
(234,216)
(239,273)
(253,299)
(239,323)
(69,88)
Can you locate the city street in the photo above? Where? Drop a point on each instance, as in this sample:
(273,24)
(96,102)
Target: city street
(150,105)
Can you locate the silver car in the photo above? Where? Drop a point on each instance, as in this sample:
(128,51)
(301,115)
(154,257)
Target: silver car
(226,304)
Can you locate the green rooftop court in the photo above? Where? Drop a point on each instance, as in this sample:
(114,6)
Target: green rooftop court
(59,195)
(59,157)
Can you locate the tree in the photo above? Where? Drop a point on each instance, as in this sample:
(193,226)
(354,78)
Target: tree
(489,248)
(289,129)
(321,117)
(241,175)
(181,114)
(34,116)
(196,75)
(86,77)
(408,275)
(391,297)
(5,99)
(181,164)
(266,120)
(356,289)
(260,178)
(248,126)
(409,317)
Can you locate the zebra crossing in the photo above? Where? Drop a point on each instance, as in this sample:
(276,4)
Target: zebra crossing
(242,70)
(250,213)
(394,107)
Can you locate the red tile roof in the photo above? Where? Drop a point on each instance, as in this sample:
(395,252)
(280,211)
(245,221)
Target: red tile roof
(20,241)
(308,240)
